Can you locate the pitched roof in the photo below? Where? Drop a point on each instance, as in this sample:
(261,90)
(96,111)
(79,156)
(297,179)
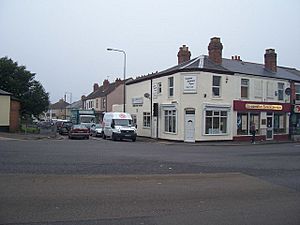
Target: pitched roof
(61,104)
(228,66)
(103,91)
(4,92)
(75,105)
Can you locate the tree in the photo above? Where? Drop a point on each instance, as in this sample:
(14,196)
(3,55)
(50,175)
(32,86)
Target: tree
(20,82)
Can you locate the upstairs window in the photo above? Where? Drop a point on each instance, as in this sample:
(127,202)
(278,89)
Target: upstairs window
(280,91)
(270,89)
(244,88)
(216,86)
(171,86)
(258,89)
(159,88)
(297,92)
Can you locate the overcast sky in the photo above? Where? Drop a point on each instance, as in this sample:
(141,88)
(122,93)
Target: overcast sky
(64,42)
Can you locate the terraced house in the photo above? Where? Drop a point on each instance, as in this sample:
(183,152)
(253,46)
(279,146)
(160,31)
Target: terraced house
(104,97)
(213,98)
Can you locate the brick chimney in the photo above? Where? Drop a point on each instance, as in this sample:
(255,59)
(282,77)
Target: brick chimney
(184,54)
(105,83)
(271,60)
(96,86)
(118,81)
(215,48)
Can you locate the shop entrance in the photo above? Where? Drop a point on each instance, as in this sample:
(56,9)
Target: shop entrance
(269,126)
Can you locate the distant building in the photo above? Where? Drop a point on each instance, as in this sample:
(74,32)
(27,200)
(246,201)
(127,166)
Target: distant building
(104,97)
(9,112)
(58,110)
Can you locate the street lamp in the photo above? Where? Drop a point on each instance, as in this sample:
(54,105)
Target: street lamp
(124,73)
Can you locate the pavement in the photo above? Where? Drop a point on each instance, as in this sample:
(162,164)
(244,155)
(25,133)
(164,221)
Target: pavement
(29,136)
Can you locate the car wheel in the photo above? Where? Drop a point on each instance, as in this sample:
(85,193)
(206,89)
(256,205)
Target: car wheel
(88,137)
(104,136)
(133,139)
(113,137)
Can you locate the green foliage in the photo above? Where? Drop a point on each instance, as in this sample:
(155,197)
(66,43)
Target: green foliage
(20,82)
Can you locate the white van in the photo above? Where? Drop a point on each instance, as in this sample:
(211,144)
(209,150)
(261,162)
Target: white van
(118,125)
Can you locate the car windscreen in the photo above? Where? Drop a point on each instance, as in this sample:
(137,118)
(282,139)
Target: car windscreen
(123,122)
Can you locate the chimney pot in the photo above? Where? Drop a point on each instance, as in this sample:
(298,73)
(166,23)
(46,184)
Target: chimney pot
(184,54)
(96,86)
(105,83)
(215,48)
(271,60)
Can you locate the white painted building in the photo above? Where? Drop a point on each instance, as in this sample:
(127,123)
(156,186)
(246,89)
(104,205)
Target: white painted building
(210,98)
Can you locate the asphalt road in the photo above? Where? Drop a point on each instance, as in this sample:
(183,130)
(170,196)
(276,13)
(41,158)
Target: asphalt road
(103,182)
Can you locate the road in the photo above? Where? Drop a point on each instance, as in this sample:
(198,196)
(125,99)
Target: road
(103,182)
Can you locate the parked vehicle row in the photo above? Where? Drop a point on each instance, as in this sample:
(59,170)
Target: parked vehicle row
(115,125)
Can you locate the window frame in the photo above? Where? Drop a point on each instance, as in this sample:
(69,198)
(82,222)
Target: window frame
(280,91)
(170,121)
(171,87)
(218,87)
(146,120)
(216,117)
(245,86)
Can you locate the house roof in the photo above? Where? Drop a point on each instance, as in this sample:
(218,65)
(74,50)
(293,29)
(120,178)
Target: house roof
(103,91)
(61,104)
(4,92)
(75,105)
(228,66)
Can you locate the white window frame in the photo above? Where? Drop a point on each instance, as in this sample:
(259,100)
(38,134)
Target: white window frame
(220,116)
(171,116)
(280,91)
(170,88)
(146,120)
(159,88)
(216,86)
(258,88)
(245,85)
(270,89)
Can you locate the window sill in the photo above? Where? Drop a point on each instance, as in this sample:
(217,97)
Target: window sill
(223,134)
(170,133)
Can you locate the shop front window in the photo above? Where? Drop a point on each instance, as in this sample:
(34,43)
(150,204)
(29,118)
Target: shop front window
(215,122)
(279,123)
(170,121)
(244,120)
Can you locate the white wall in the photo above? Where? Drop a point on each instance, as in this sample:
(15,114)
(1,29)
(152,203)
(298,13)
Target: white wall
(137,91)
(203,97)
(4,110)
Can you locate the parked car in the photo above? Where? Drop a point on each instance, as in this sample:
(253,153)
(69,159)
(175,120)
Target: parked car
(79,131)
(59,123)
(96,130)
(65,127)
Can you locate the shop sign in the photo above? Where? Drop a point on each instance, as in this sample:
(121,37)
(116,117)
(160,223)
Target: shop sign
(264,107)
(190,83)
(137,101)
(297,108)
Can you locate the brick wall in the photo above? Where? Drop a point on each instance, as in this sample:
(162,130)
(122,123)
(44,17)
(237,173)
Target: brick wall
(14,121)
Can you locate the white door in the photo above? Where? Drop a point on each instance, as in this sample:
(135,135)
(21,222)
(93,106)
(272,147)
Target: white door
(189,129)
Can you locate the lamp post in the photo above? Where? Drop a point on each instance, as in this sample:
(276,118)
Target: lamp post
(124,73)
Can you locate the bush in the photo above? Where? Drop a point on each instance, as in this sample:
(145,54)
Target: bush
(33,129)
